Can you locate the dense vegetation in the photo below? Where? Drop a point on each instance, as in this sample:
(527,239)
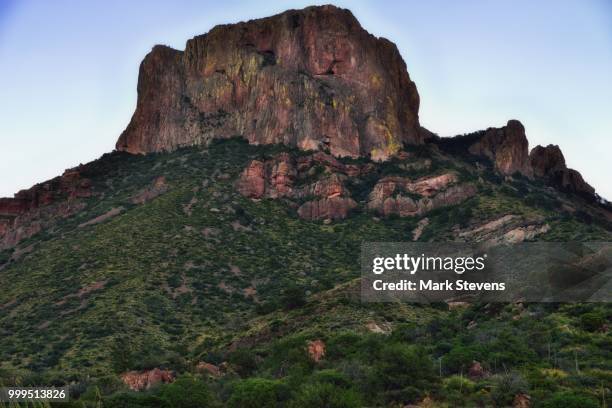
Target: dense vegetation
(202,274)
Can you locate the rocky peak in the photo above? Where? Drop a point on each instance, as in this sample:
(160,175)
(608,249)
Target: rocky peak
(507,147)
(548,162)
(311,78)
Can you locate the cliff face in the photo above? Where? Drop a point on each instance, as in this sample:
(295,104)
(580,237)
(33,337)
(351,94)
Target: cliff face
(311,78)
(32,210)
(548,162)
(507,147)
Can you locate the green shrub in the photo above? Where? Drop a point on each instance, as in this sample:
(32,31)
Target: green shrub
(132,400)
(258,393)
(570,400)
(506,386)
(459,358)
(592,321)
(326,395)
(186,392)
(293,297)
(330,376)
(243,361)
(402,365)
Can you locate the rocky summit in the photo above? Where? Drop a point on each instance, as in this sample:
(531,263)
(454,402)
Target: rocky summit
(311,78)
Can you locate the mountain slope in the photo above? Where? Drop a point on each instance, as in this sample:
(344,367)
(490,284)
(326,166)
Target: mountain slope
(225,256)
(148,286)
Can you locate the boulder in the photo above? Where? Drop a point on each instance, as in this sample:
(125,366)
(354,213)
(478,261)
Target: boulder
(316,350)
(144,380)
(507,147)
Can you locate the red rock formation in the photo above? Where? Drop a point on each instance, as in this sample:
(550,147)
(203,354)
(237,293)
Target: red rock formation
(548,162)
(157,188)
(316,350)
(31,210)
(281,176)
(334,208)
(138,381)
(273,178)
(521,401)
(308,78)
(389,195)
(507,147)
(252,182)
(211,369)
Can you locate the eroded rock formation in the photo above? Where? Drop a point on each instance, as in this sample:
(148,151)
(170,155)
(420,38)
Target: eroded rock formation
(139,381)
(284,176)
(311,78)
(507,147)
(29,211)
(404,197)
(548,162)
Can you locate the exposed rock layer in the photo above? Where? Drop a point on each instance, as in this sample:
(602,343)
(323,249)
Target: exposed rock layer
(284,176)
(320,181)
(548,162)
(507,147)
(139,381)
(311,78)
(403,197)
(29,211)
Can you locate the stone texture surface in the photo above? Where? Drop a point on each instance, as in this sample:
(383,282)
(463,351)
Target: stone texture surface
(311,78)
(325,197)
(316,350)
(549,163)
(138,381)
(507,147)
(29,211)
(334,208)
(404,197)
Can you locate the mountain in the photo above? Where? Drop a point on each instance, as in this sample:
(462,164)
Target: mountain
(213,258)
(312,78)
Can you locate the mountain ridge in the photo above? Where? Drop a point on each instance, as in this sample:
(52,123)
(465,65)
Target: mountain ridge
(225,271)
(313,79)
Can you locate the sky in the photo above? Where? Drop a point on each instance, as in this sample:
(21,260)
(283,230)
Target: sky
(68,71)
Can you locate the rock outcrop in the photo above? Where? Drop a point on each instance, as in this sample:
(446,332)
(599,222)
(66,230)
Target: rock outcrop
(29,211)
(548,162)
(334,208)
(507,147)
(404,197)
(507,229)
(139,381)
(312,79)
(319,183)
(285,176)
(316,350)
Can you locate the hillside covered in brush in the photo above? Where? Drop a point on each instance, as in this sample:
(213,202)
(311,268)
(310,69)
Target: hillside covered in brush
(213,258)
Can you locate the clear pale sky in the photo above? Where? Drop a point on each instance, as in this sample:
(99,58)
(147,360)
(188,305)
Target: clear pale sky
(68,71)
